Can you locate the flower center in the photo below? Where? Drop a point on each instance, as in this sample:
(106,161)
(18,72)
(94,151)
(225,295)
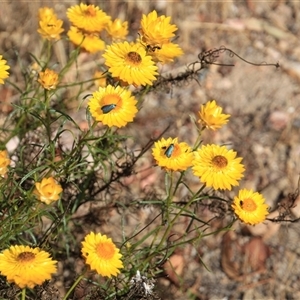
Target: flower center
(90,12)
(105,250)
(134,58)
(26,257)
(220,161)
(111,99)
(248,205)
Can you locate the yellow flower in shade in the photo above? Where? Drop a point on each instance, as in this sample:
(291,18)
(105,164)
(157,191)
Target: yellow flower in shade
(50,28)
(89,18)
(48,190)
(171,155)
(218,167)
(250,207)
(113,106)
(101,254)
(164,54)
(88,41)
(156,30)
(117,29)
(26,266)
(211,116)
(3,70)
(130,63)
(4,162)
(48,79)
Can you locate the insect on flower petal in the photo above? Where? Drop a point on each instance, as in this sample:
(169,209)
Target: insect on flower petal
(169,151)
(108,108)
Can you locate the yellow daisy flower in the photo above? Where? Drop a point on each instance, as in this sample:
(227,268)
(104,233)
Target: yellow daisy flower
(130,63)
(218,167)
(113,106)
(88,41)
(117,29)
(46,13)
(48,79)
(156,30)
(101,254)
(249,207)
(4,162)
(164,54)
(89,18)
(50,28)
(47,190)
(3,70)
(211,116)
(26,266)
(171,155)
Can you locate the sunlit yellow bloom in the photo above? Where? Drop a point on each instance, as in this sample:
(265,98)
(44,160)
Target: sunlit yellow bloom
(4,162)
(113,106)
(171,155)
(3,70)
(88,41)
(50,28)
(211,115)
(130,63)
(87,17)
(250,207)
(101,254)
(166,53)
(156,30)
(48,79)
(100,79)
(218,167)
(46,13)
(48,190)
(117,29)
(26,266)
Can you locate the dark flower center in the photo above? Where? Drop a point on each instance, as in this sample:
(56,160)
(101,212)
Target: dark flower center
(134,57)
(26,256)
(220,161)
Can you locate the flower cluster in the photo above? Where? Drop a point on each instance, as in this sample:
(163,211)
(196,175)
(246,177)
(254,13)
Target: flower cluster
(88,21)
(216,166)
(50,25)
(157,33)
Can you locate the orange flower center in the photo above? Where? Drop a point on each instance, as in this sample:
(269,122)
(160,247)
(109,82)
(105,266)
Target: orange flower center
(134,58)
(105,250)
(111,99)
(26,257)
(90,12)
(220,161)
(248,205)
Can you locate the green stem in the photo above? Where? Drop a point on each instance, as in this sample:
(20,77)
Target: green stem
(73,286)
(24,293)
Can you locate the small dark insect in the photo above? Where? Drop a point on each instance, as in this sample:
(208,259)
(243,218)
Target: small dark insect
(108,108)
(169,150)
(152,48)
(241,203)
